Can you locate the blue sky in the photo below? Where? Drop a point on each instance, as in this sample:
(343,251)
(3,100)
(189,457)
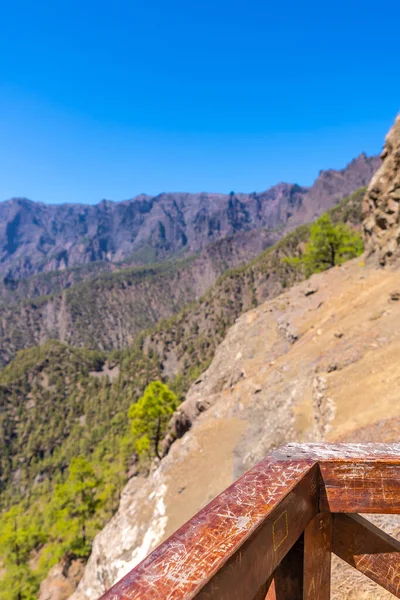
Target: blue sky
(111,99)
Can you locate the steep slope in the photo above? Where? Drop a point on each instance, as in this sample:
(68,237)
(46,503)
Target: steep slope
(36,237)
(107,312)
(227,252)
(57,402)
(304,366)
(76,381)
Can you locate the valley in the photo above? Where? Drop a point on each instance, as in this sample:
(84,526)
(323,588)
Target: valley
(105,304)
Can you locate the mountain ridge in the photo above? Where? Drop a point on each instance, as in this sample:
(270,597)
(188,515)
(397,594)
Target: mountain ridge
(38,237)
(75,401)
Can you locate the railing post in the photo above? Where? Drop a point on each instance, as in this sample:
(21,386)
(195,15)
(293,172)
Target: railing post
(317,558)
(287,582)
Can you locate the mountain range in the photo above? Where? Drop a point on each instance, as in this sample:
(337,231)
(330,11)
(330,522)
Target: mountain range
(73,273)
(36,237)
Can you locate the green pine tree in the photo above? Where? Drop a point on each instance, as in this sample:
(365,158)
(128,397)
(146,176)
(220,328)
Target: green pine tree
(150,417)
(73,506)
(329,245)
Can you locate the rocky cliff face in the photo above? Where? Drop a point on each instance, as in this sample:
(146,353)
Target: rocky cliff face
(37,238)
(382,204)
(308,365)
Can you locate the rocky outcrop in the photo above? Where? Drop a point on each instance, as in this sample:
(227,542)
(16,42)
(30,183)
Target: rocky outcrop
(62,579)
(36,237)
(382,204)
(308,365)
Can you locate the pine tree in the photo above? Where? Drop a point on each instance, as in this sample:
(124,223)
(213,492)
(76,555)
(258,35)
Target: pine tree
(74,504)
(329,245)
(150,417)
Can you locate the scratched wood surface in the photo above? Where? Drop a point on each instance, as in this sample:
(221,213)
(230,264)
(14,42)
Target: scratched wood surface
(263,552)
(368,549)
(360,487)
(231,547)
(356,478)
(340,452)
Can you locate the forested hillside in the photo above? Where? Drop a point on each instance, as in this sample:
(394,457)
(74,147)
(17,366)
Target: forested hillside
(307,365)
(106,311)
(59,403)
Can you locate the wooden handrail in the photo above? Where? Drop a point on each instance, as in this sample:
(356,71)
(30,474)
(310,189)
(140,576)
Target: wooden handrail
(271,533)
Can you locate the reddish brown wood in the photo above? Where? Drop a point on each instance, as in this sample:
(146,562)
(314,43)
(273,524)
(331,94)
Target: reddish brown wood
(356,478)
(360,487)
(271,592)
(368,549)
(287,582)
(317,558)
(322,452)
(263,591)
(262,553)
(231,547)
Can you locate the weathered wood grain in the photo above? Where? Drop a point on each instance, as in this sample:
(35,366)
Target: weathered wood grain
(360,487)
(263,591)
(263,552)
(323,452)
(231,547)
(368,549)
(317,558)
(356,478)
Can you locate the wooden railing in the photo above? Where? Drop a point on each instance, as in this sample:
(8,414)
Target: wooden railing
(270,535)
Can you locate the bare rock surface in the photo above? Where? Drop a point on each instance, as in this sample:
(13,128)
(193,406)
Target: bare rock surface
(382,204)
(62,580)
(271,382)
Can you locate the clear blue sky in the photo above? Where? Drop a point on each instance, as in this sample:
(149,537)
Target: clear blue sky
(111,99)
